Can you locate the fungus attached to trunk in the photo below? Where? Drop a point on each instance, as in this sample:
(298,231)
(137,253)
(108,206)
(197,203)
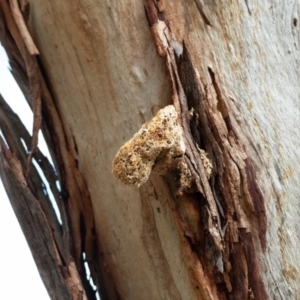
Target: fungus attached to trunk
(157,146)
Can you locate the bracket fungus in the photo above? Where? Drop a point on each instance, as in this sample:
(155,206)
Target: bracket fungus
(158,146)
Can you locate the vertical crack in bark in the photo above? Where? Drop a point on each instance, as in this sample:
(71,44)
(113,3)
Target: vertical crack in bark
(232,212)
(153,245)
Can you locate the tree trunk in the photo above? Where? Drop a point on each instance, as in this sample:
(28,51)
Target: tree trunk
(214,218)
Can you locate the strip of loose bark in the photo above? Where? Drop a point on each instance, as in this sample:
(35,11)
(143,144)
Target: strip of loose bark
(18,29)
(37,229)
(35,92)
(14,131)
(31,47)
(12,50)
(11,25)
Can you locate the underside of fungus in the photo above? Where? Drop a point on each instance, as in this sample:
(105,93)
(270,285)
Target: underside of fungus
(158,146)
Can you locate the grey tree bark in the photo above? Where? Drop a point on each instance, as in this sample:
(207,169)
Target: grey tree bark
(94,72)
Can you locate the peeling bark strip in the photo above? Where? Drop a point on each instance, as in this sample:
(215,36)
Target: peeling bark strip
(31,47)
(75,236)
(18,29)
(231,203)
(58,279)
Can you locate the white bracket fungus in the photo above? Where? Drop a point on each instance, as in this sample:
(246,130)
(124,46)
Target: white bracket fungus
(157,146)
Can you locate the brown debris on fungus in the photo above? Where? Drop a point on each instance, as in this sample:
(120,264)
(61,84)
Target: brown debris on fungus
(157,146)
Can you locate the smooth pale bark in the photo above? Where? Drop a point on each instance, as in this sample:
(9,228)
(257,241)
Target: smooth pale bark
(107,80)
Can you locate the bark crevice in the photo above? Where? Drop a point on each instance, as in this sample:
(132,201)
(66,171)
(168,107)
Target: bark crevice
(232,211)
